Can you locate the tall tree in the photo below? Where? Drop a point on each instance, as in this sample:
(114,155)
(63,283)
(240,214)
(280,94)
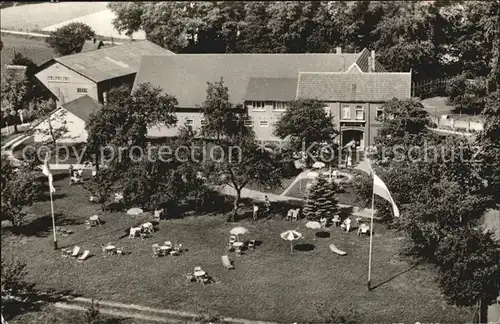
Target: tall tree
(307,124)
(70,38)
(19,192)
(321,200)
(235,159)
(14,96)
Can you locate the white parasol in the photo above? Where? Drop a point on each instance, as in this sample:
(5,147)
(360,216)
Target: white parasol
(313,225)
(291,236)
(238,230)
(318,165)
(134,212)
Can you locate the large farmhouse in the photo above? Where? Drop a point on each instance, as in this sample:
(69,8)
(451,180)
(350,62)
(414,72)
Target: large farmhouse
(94,73)
(352,86)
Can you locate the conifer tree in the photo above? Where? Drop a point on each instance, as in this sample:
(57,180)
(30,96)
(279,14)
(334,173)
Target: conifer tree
(321,201)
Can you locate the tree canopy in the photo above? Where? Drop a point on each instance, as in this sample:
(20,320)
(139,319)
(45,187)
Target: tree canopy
(70,38)
(432,39)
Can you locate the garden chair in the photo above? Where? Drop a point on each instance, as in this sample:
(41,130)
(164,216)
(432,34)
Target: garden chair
(229,247)
(295,215)
(103,248)
(75,252)
(204,281)
(84,256)
(168,244)
(189,277)
(226,262)
(156,250)
(232,239)
(119,251)
(197,269)
(251,244)
(174,252)
(289,214)
(88,225)
(144,235)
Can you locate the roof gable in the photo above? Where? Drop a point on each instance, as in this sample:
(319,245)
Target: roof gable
(363,62)
(82,107)
(354,87)
(185,76)
(111,62)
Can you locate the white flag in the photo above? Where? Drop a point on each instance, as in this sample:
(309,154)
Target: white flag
(380,189)
(46,171)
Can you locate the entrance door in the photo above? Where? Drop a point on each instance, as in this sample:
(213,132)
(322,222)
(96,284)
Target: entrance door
(353,135)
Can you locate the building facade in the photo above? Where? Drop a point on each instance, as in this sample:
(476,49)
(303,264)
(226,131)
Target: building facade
(94,73)
(353,88)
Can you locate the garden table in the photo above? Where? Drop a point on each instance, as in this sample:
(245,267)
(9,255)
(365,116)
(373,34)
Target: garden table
(95,219)
(110,249)
(199,273)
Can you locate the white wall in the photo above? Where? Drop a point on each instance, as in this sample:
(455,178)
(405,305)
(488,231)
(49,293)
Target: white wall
(66,89)
(76,132)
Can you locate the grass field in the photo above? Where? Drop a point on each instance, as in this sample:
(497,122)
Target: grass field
(438,106)
(269,283)
(33,48)
(34,17)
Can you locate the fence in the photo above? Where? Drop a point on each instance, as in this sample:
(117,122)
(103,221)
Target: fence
(459,125)
(428,88)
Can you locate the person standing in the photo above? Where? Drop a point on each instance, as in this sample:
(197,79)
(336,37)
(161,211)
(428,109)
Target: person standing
(70,169)
(347,223)
(255,211)
(349,161)
(267,203)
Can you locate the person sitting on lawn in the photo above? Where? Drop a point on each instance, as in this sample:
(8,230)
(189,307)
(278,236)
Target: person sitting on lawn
(255,211)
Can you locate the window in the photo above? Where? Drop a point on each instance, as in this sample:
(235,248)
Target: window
(81,90)
(279,106)
(258,105)
(189,122)
(360,114)
(263,123)
(380,112)
(346,112)
(248,122)
(203,122)
(58,79)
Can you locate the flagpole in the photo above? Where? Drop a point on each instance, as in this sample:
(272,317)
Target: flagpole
(53,218)
(371,243)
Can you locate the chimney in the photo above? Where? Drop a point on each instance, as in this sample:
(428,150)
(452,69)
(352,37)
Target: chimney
(338,50)
(373,61)
(105,97)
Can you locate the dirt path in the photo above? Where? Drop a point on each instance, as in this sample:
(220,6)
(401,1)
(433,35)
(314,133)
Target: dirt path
(144,313)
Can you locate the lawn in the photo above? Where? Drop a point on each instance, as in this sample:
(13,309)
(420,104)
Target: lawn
(438,106)
(269,283)
(33,48)
(34,17)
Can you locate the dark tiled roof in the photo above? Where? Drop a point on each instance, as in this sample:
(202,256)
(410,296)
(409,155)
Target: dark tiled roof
(363,62)
(111,62)
(366,87)
(274,89)
(82,107)
(185,76)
